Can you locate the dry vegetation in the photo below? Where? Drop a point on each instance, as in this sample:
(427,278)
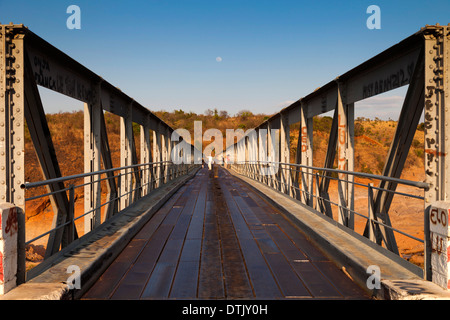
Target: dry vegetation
(372,142)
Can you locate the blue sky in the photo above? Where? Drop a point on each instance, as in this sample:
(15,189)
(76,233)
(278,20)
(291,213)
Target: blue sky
(164,53)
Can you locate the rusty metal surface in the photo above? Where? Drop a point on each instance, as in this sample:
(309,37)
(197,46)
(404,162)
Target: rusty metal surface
(217,239)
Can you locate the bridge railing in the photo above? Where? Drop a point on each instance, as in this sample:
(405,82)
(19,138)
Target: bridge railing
(27,63)
(311,186)
(418,62)
(110,203)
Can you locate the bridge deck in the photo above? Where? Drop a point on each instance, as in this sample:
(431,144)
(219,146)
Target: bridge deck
(218,239)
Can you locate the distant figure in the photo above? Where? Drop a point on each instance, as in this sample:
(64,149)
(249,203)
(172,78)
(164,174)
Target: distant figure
(210,162)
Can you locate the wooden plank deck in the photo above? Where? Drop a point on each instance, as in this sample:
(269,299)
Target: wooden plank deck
(218,239)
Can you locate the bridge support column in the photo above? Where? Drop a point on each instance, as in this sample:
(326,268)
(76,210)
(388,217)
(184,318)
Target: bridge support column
(92,161)
(437,113)
(12,101)
(145,158)
(126,145)
(262,156)
(305,157)
(437,244)
(285,174)
(436,102)
(12,238)
(253,153)
(157,157)
(345,151)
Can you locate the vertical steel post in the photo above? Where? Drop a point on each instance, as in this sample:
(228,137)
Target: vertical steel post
(157,154)
(164,143)
(437,116)
(92,161)
(262,156)
(12,102)
(285,175)
(111,207)
(306,153)
(145,158)
(168,153)
(436,123)
(126,157)
(345,151)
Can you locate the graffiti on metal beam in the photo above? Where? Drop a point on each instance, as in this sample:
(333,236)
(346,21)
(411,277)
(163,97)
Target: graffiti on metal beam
(392,81)
(54,78)
(304,139)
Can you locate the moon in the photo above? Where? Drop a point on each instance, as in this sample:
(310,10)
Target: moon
(219,59)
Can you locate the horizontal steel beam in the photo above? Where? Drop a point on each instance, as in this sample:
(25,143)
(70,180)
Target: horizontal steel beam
(386,71)
(55,70)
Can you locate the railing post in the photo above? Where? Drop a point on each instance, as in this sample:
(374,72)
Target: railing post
(12,251)
(370,213)
(71,213)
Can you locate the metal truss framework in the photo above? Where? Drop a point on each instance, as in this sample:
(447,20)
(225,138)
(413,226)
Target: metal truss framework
(421,61)
(26,62)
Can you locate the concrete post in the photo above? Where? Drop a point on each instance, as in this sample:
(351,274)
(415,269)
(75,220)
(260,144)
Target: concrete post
(9,221)
(439,243)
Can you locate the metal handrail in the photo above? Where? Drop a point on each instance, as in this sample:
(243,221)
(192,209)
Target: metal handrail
(29,185)
(418,184)
(311,194)
(77,176)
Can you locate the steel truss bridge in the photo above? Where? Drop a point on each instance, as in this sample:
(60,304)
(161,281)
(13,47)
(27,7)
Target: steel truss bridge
(262,217)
